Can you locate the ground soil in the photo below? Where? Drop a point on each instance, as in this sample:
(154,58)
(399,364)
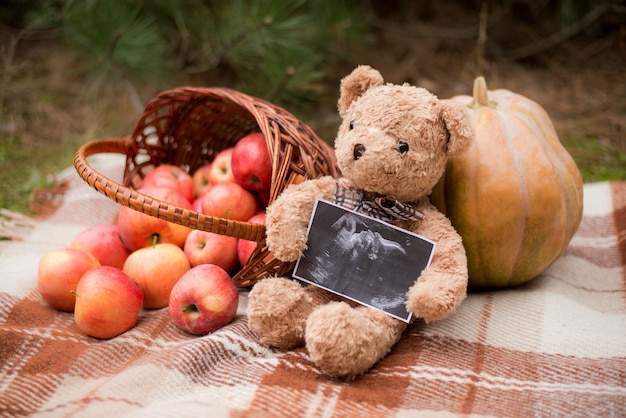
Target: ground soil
(579,79)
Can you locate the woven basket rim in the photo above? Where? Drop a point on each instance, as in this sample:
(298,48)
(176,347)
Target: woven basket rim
(126,196)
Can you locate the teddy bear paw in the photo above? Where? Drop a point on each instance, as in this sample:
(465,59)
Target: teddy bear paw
(431,301)
(288,253)
(277,312)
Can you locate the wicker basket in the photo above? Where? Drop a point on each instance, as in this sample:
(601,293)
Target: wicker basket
(188,127)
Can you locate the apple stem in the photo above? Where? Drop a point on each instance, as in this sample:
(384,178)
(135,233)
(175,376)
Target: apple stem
(190,308)
(155,239)
(73,293)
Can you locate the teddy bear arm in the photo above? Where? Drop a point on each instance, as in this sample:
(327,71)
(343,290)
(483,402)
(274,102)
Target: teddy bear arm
(441,287)
(287,218)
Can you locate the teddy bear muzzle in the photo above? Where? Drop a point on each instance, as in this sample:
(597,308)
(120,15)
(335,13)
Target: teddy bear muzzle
(358,151)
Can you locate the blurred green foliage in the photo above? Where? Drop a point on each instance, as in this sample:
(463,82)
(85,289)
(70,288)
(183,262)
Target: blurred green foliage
(274,49)
(279,50)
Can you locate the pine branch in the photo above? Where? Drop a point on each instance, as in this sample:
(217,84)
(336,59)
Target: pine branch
(561,36)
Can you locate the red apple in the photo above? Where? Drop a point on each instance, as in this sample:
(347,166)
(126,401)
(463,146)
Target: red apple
(58,275)
(202,247)
(197,204)
(170,177)
(103,241)
(245,248)
(251,163)
(156,269)
(221,168)
(108,302)
(204,300)
(138,230)
(231,201)
(201,181)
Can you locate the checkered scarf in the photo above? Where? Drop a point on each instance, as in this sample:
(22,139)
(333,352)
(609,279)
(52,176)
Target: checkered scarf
(385,208)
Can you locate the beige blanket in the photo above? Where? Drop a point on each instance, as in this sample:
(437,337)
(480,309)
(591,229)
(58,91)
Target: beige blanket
(554,347)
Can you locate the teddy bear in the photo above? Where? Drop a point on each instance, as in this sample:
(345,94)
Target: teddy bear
(392,144)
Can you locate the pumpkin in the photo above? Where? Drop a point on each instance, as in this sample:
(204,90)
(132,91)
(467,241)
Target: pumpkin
(515,195)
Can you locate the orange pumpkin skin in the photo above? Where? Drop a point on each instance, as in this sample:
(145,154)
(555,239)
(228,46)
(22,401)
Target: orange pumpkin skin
(515,195)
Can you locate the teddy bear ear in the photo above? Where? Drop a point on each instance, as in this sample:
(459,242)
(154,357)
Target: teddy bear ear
(457,122)
(355,84)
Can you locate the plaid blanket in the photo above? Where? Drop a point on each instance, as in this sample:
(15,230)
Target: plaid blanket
(553,347)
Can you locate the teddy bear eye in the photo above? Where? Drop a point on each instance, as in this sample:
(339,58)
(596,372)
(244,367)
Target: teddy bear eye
(403,147)
(351,125)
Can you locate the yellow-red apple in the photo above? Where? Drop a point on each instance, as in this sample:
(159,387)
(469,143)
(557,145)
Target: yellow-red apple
(245,248)
(201,180)
(204,300)
(156,269)
(138,230)
(229,200)
(202,247)
(251,163)
(221,168)
(103,241)
(170,177)
(108,302)
(58,275)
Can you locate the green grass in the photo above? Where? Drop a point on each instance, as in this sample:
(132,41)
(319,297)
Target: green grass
(29,166)
(597,160)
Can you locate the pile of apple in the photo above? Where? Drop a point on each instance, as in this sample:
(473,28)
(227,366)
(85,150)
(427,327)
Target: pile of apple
(113,271)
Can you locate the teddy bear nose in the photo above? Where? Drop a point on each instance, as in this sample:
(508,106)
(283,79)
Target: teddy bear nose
(359,150)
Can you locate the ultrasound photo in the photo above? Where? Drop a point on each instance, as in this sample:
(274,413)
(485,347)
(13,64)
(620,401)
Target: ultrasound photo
(363,259)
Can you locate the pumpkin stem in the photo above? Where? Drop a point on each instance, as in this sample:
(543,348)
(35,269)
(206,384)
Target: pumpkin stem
(480,92)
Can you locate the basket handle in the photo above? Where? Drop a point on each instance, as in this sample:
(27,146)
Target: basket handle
(143,203)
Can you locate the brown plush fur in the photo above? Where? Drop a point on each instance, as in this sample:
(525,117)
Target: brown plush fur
(345,339)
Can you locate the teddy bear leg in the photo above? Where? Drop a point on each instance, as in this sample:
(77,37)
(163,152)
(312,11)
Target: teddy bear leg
(345,342)
(277,311)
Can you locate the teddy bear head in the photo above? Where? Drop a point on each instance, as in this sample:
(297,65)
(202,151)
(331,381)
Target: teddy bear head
(396,139)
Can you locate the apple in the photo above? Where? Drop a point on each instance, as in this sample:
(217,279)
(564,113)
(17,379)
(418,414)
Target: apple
(245,248)
(138,230)
(103,241)
(251,163)
(221,168)
(170,177)
(197,204)
(58,274)
(201,180)
(231,201)
(202,247)
(108,302)
(156,269)
(204,300)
